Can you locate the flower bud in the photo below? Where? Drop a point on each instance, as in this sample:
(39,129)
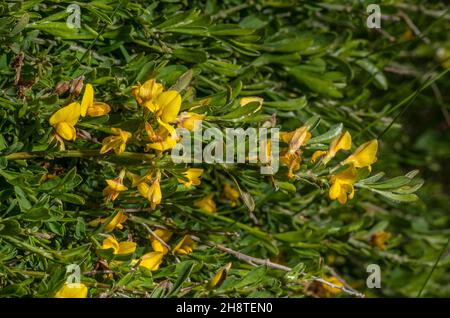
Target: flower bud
(76,86)
(61,88)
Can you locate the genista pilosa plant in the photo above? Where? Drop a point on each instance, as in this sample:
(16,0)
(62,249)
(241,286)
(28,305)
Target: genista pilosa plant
(217,149)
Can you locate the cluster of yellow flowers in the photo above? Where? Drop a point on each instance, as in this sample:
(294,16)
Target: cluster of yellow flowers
(151,260)
(165,107)
(342,183)
(158,241)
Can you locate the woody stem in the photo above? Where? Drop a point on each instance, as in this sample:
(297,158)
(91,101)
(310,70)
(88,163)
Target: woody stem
(75,154)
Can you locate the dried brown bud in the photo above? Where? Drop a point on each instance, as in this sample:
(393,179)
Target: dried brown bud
(61,88)
(77,86)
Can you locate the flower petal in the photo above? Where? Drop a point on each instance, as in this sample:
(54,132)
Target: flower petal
(126,247)
(69,114)
(72,290)
(152,260)
(170,104)
(98,109)
(66,131)
(88,99)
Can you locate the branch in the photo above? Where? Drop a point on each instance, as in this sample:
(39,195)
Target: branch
(254,261)
(76,154)
(152,233)
(413,27)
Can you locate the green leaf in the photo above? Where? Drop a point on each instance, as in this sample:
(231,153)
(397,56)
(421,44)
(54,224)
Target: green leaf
(286,186)
(292,104)
(390,184)
(71,198)
(239,113)
(229,29)
(409,188)
(398,197)
(10,228)
(315,82)
(312,122)
(372,179)
(253,277)
(22,199)
(74,254)
(171,73)
(329,135)
(194,30)
(291,237)
(60,29)
(289,45)
(190,55)
(183,275)
(373,70)
(23,21)
(37,214)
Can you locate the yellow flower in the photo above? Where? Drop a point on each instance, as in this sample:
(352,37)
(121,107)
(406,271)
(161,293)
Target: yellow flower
(116,222)
(292,161)
(364,156)
(165,106)
(119,248)
(72,290)
(87,100)
(193,176)
(169,104)
(151,260)
(184,246)
(115,186)
(231,193)
(151,193)
(167,144)
(207,204)
(164,139)
(190,121)
(98,109)
(341,142)
(379,239)
(342,185)
(117,142)
(163,234)
(317,154)
(296,138)
(408,35)
(136,179)
(91,108)
(65,119)
(332,291)
(146,92)
(220,276)
(247,100)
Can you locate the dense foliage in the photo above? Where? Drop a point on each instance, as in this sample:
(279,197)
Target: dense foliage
(92,184)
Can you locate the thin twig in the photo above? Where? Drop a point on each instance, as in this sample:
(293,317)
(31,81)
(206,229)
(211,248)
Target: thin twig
(413,27)
(444,248)
(136,210)
(152,233)
(422,9)
(254,261)
(335,274)
(96,272)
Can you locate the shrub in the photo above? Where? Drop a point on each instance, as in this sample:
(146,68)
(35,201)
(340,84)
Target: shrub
(91,190)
